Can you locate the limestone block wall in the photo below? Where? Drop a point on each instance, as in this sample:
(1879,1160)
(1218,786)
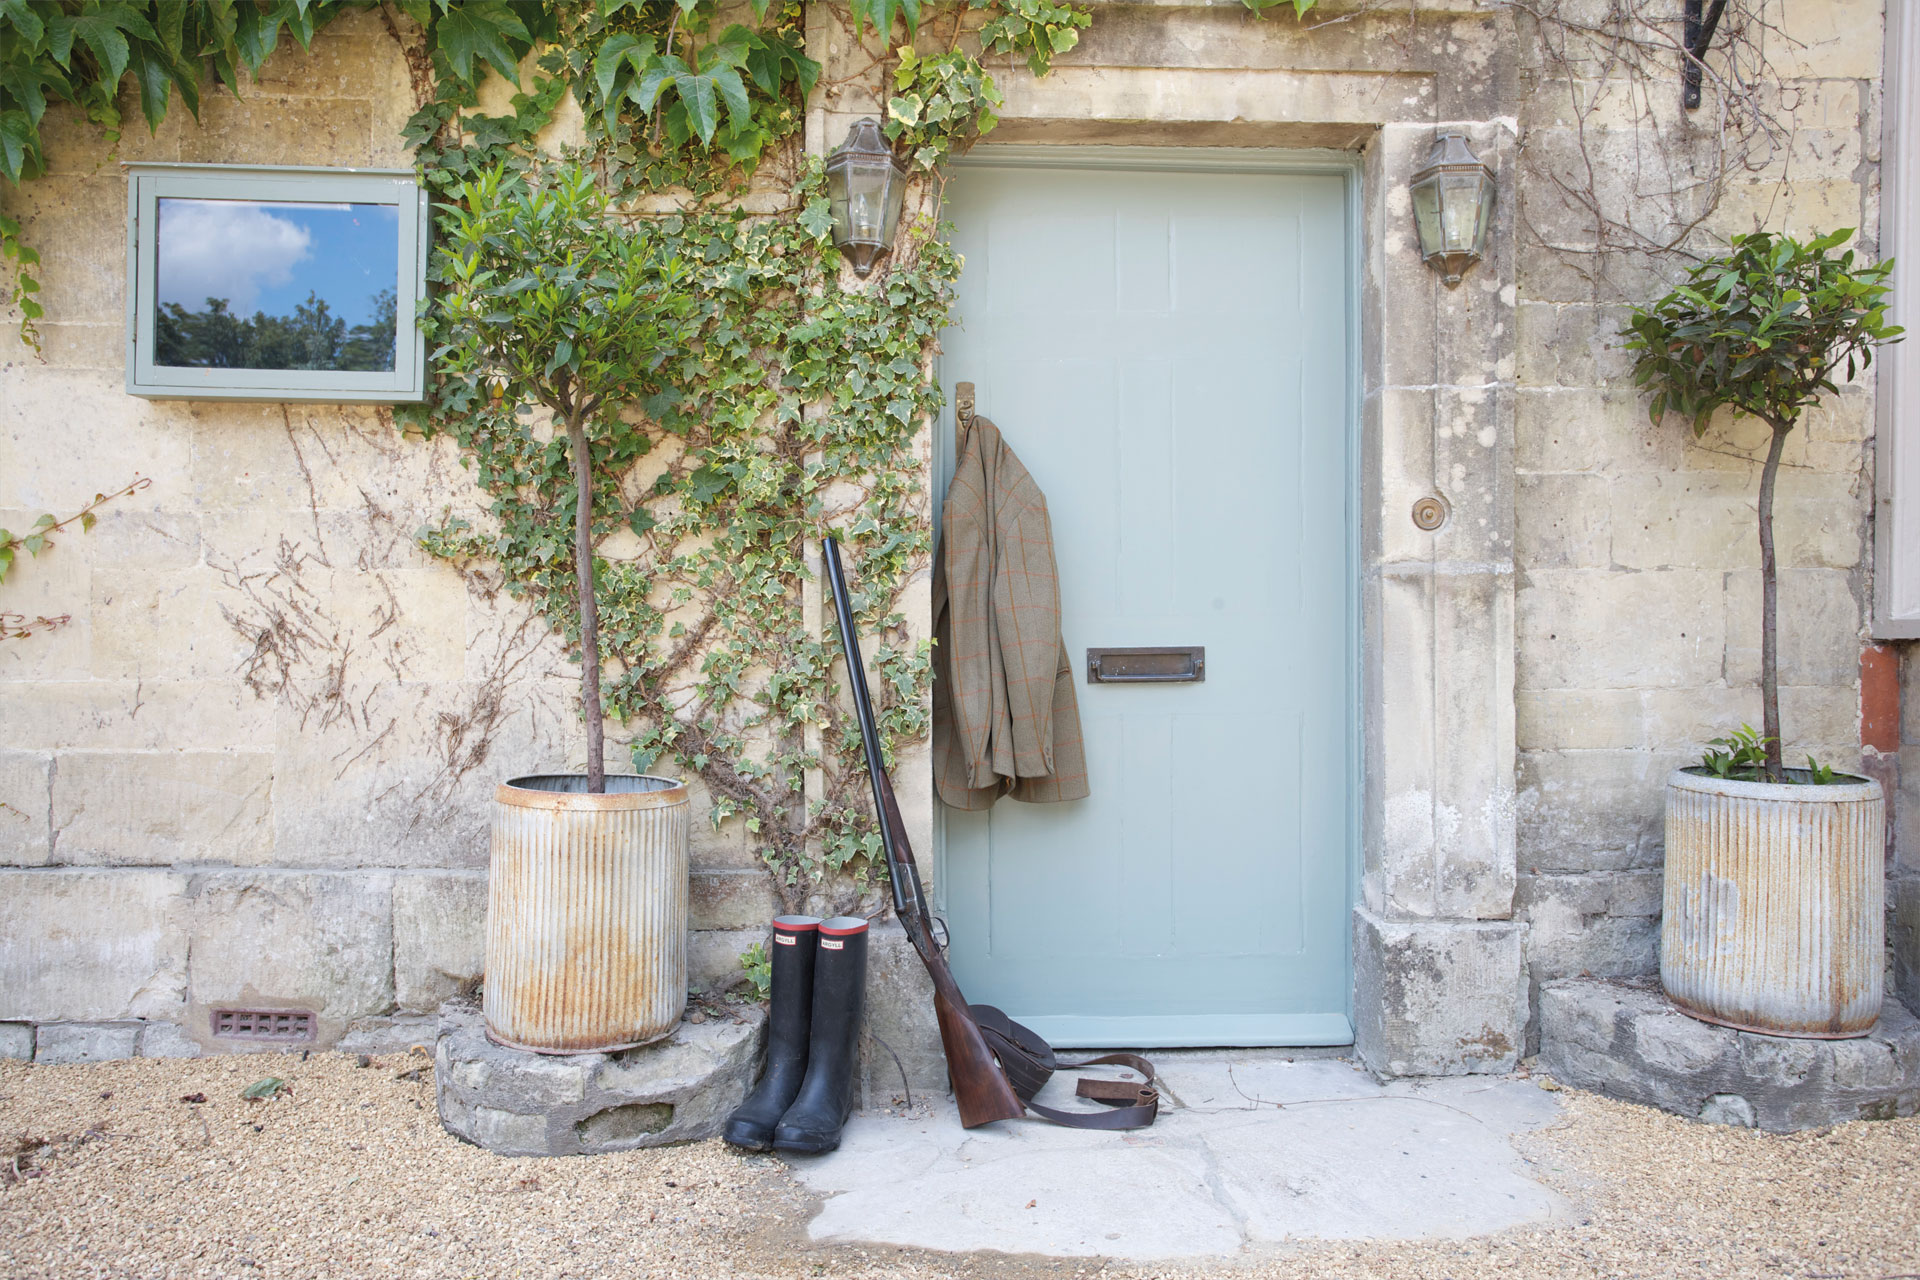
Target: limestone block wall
(255,768)
(256,764)
(1636,551)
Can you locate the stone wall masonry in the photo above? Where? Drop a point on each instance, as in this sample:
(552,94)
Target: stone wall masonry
(274,718)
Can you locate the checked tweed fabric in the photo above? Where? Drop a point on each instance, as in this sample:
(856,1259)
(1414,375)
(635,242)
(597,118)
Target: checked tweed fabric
(1005,719)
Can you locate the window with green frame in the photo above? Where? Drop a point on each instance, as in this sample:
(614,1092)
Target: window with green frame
(258,283)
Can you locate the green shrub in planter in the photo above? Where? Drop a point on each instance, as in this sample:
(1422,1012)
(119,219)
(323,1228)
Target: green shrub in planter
(1774,901)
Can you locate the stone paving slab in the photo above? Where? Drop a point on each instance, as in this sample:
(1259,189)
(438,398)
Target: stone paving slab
(1251,1151)
(1629,1041)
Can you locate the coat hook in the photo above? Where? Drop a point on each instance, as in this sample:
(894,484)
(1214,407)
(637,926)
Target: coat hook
(962,415)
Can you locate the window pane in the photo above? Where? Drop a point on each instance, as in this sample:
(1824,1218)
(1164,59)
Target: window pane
(254,284)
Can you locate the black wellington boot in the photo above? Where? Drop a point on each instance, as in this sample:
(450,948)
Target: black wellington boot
(751,1124)
(814,1120)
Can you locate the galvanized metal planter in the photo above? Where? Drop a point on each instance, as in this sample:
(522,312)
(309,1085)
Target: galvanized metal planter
(1775,904)
(586,913)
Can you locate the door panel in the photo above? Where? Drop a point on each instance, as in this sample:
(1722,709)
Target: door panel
(1167,352)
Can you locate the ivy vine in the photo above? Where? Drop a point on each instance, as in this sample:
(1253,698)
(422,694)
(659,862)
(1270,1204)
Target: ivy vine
(790,409)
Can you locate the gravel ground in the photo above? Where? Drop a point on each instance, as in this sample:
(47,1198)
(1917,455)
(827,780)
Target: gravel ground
(105,1170)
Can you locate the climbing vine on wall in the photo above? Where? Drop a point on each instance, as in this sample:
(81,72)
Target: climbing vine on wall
(795,409)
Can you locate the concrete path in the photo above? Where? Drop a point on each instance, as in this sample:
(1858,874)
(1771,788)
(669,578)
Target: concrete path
(1250,1150)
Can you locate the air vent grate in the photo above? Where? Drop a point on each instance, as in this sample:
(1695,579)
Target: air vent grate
(283,1026)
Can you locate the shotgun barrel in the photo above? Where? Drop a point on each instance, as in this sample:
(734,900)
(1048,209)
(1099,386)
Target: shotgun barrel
(980,1086)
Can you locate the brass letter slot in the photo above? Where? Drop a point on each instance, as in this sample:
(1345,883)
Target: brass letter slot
(1180,664)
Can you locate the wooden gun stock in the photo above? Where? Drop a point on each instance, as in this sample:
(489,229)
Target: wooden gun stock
(980,1086)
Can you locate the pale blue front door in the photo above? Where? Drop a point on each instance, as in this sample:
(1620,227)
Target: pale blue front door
(1168,350)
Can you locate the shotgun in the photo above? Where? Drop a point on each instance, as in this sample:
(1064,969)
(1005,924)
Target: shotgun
(980,1086)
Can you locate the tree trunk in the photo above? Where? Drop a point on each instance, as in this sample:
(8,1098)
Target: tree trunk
(590,607)
(1769,611)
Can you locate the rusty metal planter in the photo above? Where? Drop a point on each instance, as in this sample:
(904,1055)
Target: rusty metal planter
(586,913)
(1774,913)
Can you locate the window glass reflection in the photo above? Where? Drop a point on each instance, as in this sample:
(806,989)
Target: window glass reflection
(253,284)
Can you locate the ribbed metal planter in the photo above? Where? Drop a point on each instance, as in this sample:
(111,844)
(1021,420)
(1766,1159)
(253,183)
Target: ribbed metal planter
(1775,904)
(586,913)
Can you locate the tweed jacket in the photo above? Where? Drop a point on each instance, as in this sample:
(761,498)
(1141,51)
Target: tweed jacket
(1005,718)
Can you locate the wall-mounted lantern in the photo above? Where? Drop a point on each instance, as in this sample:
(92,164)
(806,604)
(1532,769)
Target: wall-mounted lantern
(864,187)
(1452,206)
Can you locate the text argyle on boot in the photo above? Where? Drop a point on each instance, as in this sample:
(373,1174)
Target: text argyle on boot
(819,1111)
(794,946)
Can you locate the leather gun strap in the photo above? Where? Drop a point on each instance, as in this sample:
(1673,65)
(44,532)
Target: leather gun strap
(1132,1104)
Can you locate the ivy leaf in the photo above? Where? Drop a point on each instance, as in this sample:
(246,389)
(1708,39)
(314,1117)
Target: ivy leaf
(155,77)
(254,35)
(606,63)
(817,217)
(905,109)
(701,102)
(704,485)
(480,29)
(25,21)
(641,521)
(653,79)
(734,92)
(16,143)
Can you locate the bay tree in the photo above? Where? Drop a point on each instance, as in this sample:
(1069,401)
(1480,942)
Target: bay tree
(549,301)
(1764,330)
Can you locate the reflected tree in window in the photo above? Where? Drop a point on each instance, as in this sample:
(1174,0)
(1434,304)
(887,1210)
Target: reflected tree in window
(311,338)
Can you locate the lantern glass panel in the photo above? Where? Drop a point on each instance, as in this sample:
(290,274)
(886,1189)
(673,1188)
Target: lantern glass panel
(862,201)
(1460,224)
(1426,215)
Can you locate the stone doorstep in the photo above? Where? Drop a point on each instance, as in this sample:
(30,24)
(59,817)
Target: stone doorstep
(515,1103)
(1629,1041)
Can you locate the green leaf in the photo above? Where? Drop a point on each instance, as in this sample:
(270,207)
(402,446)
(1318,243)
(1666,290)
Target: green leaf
(641,521)
(607,61)
(646,88)
(817,217)
(266,1087)
(25,21)
(480,29)
(707,483)
(734,93)
(698,96)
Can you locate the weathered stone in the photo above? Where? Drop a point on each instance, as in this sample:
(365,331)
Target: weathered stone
(899,1018)
(1570,636)
(85,1041)
(1819,627)
(1903,935)
(731,900)
(713,956)
(439,936)
(92,945)
(390,1035)
(159,808)
(680,1089)
(1593,810)
(331,952)
(25,806)
(16,1040)
(1443,997)
(1630,1041)
(168,1040)
(1562,522)
(1729,1109)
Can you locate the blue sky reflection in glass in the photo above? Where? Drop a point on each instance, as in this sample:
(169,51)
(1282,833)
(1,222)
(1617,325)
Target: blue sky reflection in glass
(254,284)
